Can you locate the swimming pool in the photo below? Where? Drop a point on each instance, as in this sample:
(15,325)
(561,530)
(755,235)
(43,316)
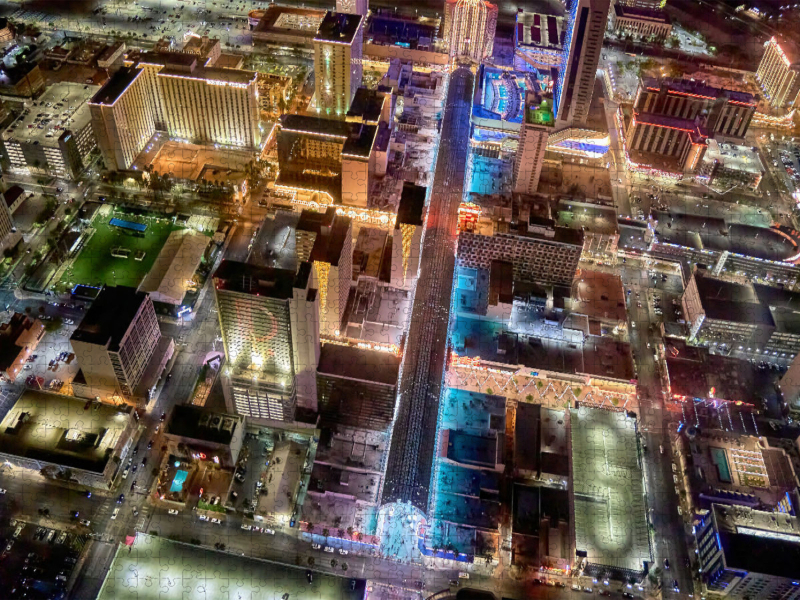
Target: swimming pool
(178,481)
(721,462)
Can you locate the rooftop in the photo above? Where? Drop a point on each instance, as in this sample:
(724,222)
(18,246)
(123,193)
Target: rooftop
(10,343)
(212,74)
(411,210)
(610,521)
(696,88)
(188,572)
(115,86)
(200,424)
(644,14)
(540,440)
(62,108)
(300,21)
(592,218)
(540,30)
(109,317)
(367,105)
(338,28)
(246,278)
(759,542)
(332,232)
(171,275)
(63,430)
(539,110)
(360,364)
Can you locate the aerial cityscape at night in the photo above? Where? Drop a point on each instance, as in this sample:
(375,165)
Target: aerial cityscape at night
(452,300)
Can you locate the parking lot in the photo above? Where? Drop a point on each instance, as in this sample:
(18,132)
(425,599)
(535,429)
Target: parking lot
(36,561)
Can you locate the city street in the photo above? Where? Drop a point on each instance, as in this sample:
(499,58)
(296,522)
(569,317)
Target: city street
(411,453)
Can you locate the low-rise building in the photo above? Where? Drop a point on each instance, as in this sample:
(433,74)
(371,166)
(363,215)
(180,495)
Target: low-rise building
(642,22)
(66,438)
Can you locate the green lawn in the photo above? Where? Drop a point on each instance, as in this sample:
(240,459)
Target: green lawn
(95,265)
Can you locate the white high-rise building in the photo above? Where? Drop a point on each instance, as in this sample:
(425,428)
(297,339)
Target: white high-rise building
(469,28)
(538,123)
(337,62)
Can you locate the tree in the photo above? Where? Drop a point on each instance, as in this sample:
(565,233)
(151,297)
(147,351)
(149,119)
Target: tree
(333,563)
(344,566)
(311,561)
(310,526)
(326,532)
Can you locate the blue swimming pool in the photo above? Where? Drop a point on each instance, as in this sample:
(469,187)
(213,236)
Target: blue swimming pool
(178,481)
(721,461)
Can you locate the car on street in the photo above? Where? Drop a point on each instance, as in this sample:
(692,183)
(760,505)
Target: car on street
(85,522)
(315,546)
(115,513)
(173,511)
(121,499)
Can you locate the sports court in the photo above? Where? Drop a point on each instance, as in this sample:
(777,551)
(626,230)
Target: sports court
(121,251)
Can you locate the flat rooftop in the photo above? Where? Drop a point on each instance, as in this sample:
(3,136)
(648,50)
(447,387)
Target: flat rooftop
(170,277)
(200,424)
(155,567)
(298,21)
(599,295)
(211,74)
(712,233)
(759,542)
(338,28)
(642,14)
(540,440)
(610,520)
(115,86)
(411,210)
(697,88)
(351,362)
(62,430)
(252,279)
(62,108)
(592,218)
(540,30)
(109,317)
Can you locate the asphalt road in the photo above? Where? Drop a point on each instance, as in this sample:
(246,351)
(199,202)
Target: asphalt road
(412,448)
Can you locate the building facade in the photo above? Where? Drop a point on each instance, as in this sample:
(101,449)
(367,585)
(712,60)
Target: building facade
(122,118)
(269,319)
(169,92)
(584,33)
(407,236)
(59,142)
(778,73)
(469,28)
(537,124)
(116,340)
(539,251)
(337,62)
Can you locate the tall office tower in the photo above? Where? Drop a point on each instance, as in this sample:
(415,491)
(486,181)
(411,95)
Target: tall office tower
(586,25)
(326,241)
(116,340)
(778,72)
(353,7)
(122,118)
(538,122)
(407,235)
(337,62)
(469,28)
(269,320)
